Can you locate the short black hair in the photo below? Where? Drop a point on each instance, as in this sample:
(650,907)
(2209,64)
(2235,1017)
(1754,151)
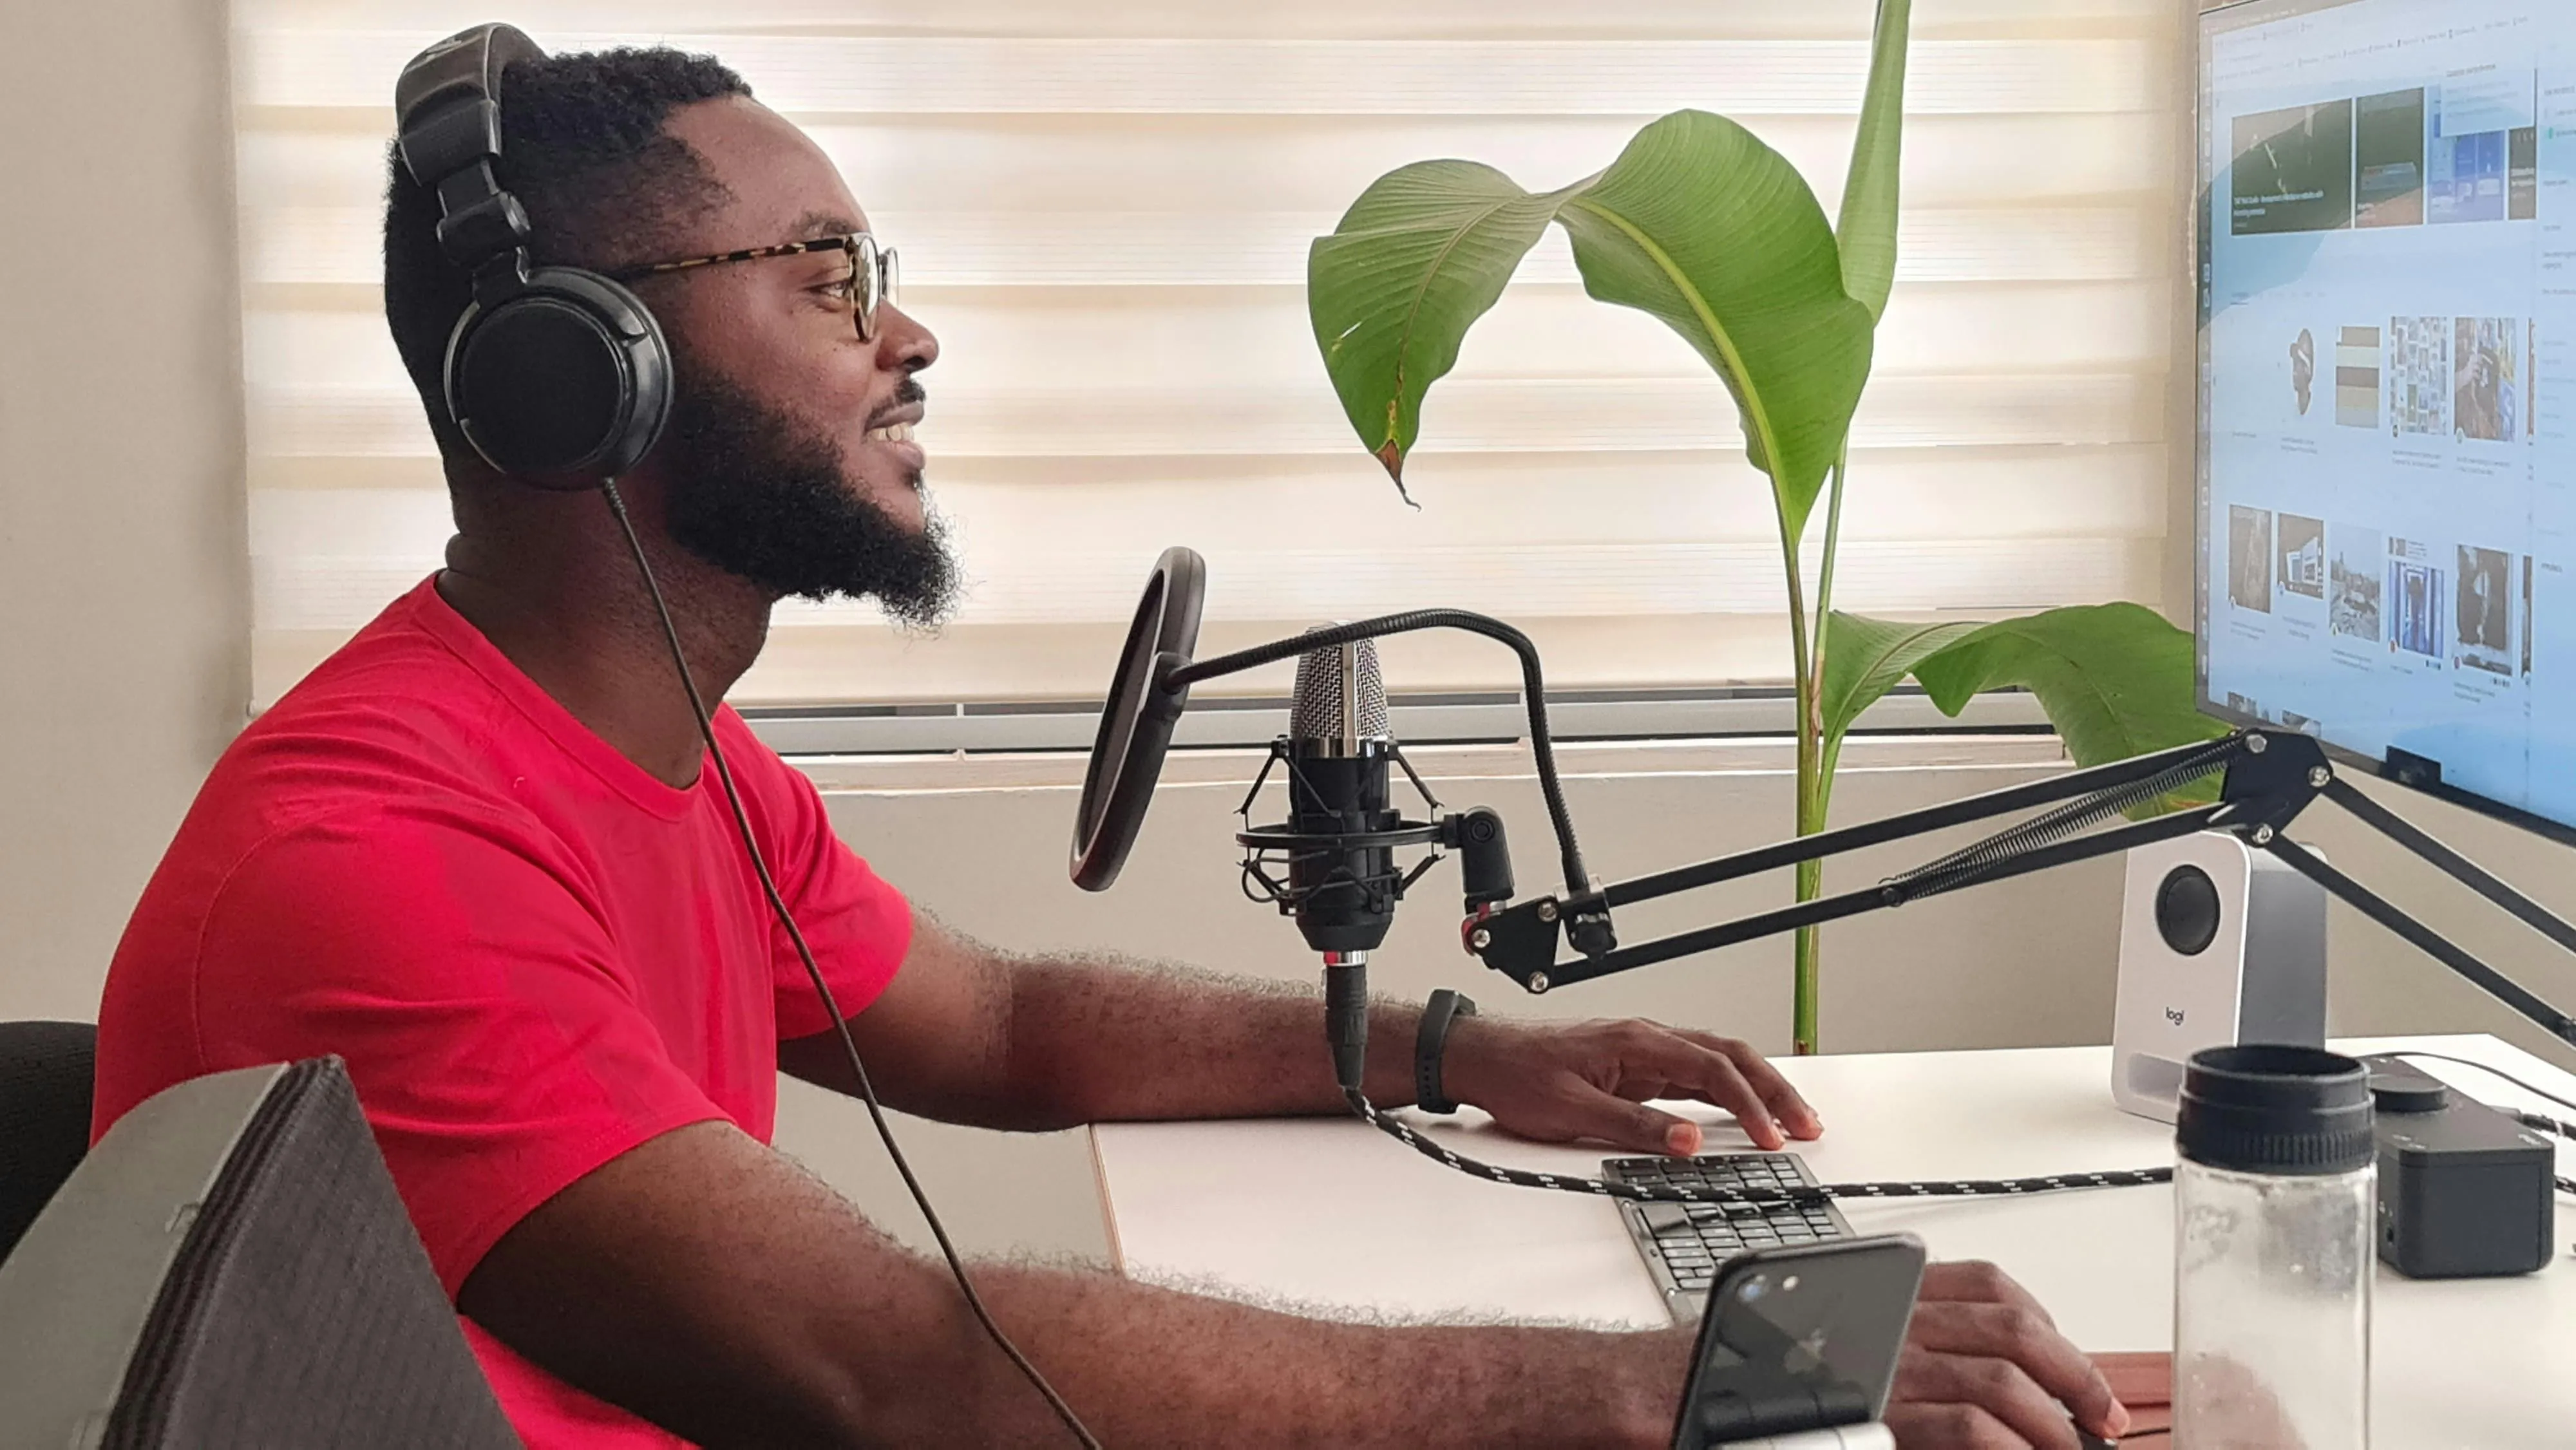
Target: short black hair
(584,150)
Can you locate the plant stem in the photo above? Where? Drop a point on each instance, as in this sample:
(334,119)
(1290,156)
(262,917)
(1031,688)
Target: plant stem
(1802,1008)
(1815,761)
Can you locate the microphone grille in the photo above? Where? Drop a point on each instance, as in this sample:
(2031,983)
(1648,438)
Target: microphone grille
(1318,713)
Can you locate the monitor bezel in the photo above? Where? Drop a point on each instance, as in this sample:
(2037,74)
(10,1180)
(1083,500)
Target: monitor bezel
(2214,19)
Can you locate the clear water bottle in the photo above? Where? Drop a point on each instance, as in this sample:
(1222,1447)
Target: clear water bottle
(2272,1251)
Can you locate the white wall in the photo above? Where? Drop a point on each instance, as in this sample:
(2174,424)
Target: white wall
(124,566)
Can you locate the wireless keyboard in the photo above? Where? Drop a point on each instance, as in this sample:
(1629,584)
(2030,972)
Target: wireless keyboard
(1684,1244)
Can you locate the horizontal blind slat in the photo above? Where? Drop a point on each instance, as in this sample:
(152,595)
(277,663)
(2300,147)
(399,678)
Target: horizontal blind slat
(1338,19)
(1218,165)
(855,75)
(1543,580)
(1474,415)
(343,247)
(1143,346)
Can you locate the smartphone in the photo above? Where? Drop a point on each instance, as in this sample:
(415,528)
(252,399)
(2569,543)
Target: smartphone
(1803,1337)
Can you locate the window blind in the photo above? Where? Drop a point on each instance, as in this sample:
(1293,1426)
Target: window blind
(1103,211)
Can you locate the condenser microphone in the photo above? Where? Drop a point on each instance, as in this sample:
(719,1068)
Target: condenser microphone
(1336,757)
(1342,884)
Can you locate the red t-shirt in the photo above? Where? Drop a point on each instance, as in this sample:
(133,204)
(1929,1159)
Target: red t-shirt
(533,954)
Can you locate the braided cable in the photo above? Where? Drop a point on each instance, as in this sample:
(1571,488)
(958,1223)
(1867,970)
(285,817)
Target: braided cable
(1665,1193)
(2558,1127)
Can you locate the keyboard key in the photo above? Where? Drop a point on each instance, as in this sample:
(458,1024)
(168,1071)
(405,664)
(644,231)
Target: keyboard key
(1662,1216)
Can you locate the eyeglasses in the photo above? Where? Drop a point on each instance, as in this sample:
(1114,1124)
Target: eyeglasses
(872,280)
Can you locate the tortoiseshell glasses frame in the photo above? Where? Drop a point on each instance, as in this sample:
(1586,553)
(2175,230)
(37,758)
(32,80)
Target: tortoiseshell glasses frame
(872,281)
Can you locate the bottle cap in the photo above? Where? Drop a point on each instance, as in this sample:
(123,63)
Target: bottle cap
(2293,1111)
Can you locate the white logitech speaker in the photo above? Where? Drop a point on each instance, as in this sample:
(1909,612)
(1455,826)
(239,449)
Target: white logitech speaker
(2220,943)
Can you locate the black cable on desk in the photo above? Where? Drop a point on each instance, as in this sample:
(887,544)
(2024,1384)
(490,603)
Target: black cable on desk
(1666,1193)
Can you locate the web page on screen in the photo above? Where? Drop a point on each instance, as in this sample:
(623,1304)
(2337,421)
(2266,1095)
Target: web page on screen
(2388,383)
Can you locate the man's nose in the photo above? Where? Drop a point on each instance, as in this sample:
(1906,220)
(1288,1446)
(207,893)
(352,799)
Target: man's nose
(903,344)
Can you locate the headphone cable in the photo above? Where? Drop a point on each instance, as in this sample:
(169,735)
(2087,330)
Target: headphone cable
(823,989)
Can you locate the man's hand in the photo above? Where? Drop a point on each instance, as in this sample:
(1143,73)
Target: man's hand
(1986,1369)
(1557,1082)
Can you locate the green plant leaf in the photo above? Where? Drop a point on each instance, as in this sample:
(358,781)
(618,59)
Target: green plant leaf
(1866,230)
(2115,679)
(1716,234)
(1422,254)
(1697,223)
(1870,657)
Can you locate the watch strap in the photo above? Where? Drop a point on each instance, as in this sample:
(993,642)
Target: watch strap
(1429,1039)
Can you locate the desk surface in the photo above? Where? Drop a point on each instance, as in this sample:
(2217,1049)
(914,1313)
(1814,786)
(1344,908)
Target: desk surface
(1330,1214)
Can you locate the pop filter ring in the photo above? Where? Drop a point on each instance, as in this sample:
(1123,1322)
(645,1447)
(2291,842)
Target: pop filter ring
(1137,719)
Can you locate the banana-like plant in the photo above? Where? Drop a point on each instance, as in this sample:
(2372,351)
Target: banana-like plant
(1714,233)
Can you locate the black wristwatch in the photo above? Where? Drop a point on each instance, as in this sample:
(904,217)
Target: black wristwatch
(1444,1007)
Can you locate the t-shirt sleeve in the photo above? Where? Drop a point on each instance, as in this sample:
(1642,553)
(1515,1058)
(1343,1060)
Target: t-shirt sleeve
(488,1022)
(857,923)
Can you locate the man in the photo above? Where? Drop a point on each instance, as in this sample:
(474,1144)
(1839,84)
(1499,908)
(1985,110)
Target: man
(476,854)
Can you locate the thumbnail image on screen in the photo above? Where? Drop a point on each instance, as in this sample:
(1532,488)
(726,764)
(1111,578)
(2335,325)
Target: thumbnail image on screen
(2387,527)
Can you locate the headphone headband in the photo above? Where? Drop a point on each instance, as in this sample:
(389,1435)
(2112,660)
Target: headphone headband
(447,110)
(557,376)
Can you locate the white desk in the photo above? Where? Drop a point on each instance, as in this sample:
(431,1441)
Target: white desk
(1331,1214)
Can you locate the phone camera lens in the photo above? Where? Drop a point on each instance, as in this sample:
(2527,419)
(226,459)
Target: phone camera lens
(1753,1289)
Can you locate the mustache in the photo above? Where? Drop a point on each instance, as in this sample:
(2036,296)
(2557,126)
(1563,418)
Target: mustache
(906,393)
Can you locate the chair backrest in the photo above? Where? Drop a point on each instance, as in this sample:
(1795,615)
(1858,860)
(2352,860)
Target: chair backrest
(45,1070)
(231,1266)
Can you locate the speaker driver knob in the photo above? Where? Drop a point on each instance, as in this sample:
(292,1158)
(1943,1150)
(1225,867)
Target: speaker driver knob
(2187,910)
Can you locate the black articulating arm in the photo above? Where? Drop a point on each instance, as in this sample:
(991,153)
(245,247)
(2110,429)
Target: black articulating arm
(2270,777)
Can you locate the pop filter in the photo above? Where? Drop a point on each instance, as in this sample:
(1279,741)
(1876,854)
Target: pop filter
(1136,723)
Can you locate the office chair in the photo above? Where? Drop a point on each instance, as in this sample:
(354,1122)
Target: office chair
(44,1116)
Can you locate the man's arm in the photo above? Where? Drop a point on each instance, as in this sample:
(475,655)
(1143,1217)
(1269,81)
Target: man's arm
(969,1034)
(703,1282)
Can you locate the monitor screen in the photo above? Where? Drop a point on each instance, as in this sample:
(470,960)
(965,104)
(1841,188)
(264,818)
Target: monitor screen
(2387,386)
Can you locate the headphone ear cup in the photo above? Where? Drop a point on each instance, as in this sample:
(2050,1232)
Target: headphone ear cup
(562,382)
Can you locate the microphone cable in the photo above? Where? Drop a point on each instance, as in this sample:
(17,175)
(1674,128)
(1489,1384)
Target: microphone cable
(823,989)
(1370,1113)
(1346,1029)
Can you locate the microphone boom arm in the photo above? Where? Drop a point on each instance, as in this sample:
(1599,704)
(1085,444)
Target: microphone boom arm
(2271,776)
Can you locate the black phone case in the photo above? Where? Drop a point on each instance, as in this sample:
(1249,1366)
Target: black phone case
(1817,1356)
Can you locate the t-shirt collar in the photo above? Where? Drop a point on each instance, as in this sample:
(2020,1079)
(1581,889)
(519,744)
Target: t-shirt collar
(439,619)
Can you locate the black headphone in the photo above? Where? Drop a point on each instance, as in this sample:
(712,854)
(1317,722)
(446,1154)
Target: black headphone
(557,376)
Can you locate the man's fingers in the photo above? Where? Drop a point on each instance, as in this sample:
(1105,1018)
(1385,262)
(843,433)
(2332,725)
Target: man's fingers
(2024,1337)
(1975,1281)
(1997,1386)
(1948,1427)
(1642,1129)
(1701,1072)
(1574,1108)
(1775,1091)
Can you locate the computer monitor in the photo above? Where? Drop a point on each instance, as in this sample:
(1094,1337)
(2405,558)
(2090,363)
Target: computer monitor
(2386,243)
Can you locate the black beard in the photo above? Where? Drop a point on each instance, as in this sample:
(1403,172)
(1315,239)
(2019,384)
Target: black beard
(766,497)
